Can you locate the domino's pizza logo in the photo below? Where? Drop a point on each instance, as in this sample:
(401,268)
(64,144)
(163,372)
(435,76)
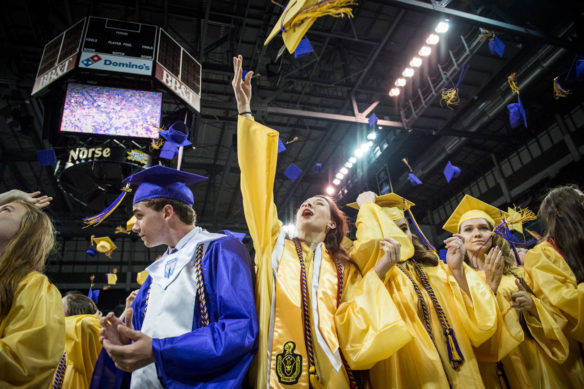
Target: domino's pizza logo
(91,60)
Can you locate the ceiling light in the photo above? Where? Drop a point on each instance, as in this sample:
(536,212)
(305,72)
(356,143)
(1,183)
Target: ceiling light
(365,147)
(348,165)
(336,181)
(400,82)
(340,176)
(372,135)
(416,62)
(394,92)
(358,153)
(442,27)
(369,144)
(408,72)
(425,51)
(330,190)
(344,170)
(432,39)
(352,160)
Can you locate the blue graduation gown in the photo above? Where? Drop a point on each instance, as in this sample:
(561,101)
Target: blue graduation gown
(216,356)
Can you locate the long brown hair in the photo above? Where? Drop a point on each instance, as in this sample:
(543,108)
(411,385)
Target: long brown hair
(26,252)
(562,213)
(505,247)
(334,237)
(422,254)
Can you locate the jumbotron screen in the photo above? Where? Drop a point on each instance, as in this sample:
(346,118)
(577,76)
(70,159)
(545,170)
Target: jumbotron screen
(100,110)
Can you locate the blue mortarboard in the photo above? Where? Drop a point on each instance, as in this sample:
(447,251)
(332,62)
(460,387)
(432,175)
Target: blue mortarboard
(176,136)
(576,72)
(303,48)
(47,157)
(442,254)
(372,120)
(451,171)
(91,251)
(161,181)
(317,167)
(293,172)
(243,73)
(237,235)
(517,115)
(414,180)
(496,46)
(281,146)
(93,294)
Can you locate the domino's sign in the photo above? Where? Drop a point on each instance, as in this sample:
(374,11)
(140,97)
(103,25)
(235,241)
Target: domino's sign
(114,63)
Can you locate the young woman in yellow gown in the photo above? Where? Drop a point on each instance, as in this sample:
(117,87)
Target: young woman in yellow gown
(556,268)
(32,324)
(300,281)
(533,361)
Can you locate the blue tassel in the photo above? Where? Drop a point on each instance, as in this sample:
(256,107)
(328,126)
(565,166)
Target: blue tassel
(95,220)
(418,230)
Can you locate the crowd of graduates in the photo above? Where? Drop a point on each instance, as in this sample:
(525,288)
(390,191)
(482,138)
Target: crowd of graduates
(313,310)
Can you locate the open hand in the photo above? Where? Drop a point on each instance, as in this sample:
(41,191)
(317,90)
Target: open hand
(31,198)
(456,252)
(241,88)
(109,327)
(366,197)
(493,266)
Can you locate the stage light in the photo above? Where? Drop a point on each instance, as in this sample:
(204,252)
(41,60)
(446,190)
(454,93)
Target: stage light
(358,153)
(330,190)
(425,51)
(352,160)
(400,82)
(336,181)
(432,39)
(408,72)
(415,62)
(344,170)
(394,92)
(340,176)
(348,165)
(442,27)
(372,135)
(364,147)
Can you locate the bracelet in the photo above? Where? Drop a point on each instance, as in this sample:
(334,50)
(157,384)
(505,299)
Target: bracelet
(245,113)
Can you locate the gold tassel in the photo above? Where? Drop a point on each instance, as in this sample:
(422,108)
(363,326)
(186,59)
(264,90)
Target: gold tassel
(449,97)
(121,230)
(314,382)
(512,80)
(559,91)
(486,34)
(405,160)
(334,8)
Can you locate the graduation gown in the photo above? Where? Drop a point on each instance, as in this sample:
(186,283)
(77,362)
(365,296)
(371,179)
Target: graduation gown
(423,363)
(278,284)
(32,335)
(214,356)
(82,348)
(553,280)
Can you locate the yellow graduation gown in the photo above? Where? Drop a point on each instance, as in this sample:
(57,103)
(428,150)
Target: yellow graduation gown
(32,335)
(422,363)
(82,348)
(279,303)
(534,363)
(553,280)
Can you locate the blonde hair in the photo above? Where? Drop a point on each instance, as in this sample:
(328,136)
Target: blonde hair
(26,252)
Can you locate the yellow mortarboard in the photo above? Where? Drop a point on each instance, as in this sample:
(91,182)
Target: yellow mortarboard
(130,223)
(473,208)
(298,16)
(141,277)
(112,278)
(394,205)
(104,245)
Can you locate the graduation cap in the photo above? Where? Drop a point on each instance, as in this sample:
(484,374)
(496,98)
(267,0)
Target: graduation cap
(243,73)
(372,120)
(415,181)
(317,167)
(47,157)
(176,136)
(394,205)
(473,208)
(281,146)
(91,251)
(93,294)
(303,48)
(576,72)
(451,171)
(298,16)
(237,235)
(496,46)
(141,277)
(130,223)
(517,115)
(442,255)
(112,278)
(293,172)
(104,245)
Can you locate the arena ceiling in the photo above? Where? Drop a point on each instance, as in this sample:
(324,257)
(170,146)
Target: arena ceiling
(354,64)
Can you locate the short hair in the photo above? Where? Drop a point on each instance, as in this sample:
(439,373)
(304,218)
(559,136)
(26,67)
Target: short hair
(79,304)
(185,212)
